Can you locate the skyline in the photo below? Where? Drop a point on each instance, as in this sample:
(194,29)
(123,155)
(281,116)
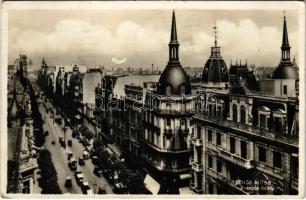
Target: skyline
(123,35)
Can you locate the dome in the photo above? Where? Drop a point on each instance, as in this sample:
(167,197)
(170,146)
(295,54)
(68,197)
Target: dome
(176,79)
(215,71)
(285,72)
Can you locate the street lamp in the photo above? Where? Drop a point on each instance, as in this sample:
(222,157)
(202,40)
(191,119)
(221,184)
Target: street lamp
(94,187)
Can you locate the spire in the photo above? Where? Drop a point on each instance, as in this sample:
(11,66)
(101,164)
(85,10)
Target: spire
(215,32)
(285,33)
(285,45)
(173,29)
(173,44)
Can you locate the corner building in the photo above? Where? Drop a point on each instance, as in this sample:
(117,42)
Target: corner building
(166,121)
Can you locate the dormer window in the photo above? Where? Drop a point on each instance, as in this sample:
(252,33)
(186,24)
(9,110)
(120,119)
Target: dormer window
(263,116)
(279,118)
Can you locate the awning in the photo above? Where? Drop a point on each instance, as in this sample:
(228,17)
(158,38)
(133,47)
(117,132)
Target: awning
(185,176)
(152,185)
(185,190)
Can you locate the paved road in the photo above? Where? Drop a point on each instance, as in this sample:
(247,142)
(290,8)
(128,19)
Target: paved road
(59,156)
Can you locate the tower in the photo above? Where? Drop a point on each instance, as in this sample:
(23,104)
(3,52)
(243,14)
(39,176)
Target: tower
(174,80)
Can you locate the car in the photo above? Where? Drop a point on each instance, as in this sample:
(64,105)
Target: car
(101,191)
(69,155)
(97,171)
(53,142)
(69,143)
(68,182)
(79,177)
(94,160)
(46,133)
(85,155)
(72,164)
(81,161)
(85,187)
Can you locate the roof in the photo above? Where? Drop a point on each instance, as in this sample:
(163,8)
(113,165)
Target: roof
(285,72)
(215,70)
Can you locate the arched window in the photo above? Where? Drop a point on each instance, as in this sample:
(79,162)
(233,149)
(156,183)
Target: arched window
(234,113)
(183,89)
(168,90)
(242,114)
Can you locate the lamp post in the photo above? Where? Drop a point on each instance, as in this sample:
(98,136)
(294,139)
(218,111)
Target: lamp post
(94,187)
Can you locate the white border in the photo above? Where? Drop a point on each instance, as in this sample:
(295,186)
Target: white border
(207,5)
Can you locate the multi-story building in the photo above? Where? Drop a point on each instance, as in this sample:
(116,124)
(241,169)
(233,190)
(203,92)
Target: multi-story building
(246,137)
(165,146)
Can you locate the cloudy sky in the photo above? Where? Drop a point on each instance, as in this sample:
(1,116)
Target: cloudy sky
(95,37)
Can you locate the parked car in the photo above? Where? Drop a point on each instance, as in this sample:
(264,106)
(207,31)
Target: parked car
(85,155)
(97,171)
(53,142)
(68,182)
(85,187)
(72,164)
(69,143)
(95,160)
(69,155)
(46,133)
(62,142)
(101,191)
(81,161)
(79,177)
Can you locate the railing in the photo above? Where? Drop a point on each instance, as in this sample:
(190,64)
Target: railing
(220,177)
(169,131)
(171,149)
(270,170)
(178,169)
(246,163)
(250,129)
(198,167)
(198,142)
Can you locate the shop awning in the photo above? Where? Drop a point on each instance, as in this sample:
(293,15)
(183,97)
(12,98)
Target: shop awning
(151,184)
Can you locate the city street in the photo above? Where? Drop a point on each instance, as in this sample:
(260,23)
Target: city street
(59,156)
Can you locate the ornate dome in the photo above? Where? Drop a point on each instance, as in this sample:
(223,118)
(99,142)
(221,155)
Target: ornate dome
(174,80)
(215,69)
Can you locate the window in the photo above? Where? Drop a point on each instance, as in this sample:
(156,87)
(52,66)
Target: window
(198,132)
(209,136)
(295,166)
(277,159)
(210,162)
(262,154)
(242,114)
(285,89)
(243,148)
(232,145)
(278,125)
(262,121)
(234,113)
(168,122)
(168,90)
(218,138)
(183,89)
(219,166)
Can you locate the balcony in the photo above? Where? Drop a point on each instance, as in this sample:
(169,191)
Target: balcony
(222,179)
(279,173)
(171,149)
(198,142)
(294,184)
(268,134)
(198,167)
(245,163)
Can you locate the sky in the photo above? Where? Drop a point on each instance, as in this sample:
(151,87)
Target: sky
(139,38)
